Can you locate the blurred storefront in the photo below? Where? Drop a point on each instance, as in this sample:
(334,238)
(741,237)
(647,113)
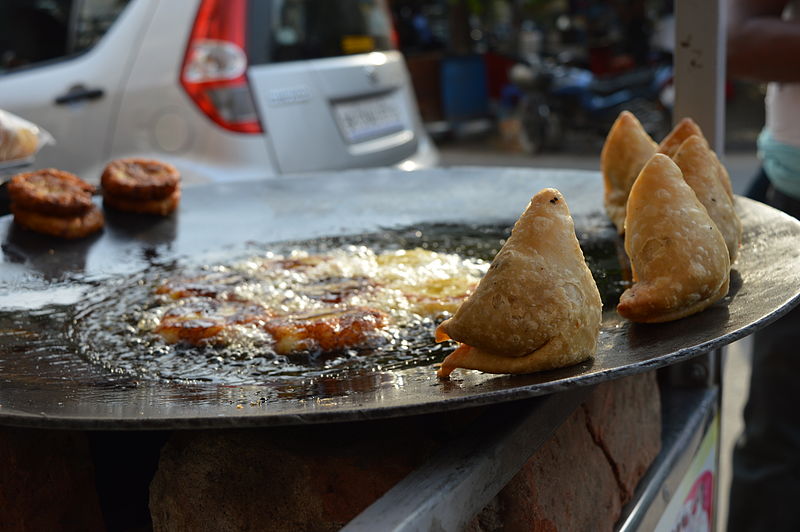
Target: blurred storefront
(459,52)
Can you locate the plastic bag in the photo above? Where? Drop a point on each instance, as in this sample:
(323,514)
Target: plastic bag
(19,138)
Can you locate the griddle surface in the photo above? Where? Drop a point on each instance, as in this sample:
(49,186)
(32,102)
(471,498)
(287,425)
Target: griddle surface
(44,383)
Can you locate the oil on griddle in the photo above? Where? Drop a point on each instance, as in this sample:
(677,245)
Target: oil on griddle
(106,328)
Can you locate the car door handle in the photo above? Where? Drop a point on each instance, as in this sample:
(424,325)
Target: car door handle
(79,93)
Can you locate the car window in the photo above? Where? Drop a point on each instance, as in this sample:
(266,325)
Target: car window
(93,20)
(293,30)
(36,32)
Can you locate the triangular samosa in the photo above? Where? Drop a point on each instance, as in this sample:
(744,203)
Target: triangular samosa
(537,307)
(683,130)
(679,259)
(626,150)
(702,170)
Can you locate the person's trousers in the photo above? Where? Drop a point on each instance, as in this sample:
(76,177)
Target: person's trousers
(765,493)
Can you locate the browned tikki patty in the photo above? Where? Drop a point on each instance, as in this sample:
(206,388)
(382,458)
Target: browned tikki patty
(200,320)
(51,192)
(326,331)
(62,226)
(159,207)
(140,179)
(203,320)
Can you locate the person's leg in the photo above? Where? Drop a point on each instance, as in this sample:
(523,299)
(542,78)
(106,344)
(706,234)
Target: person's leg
(766,461)
(757,189)
(781,201)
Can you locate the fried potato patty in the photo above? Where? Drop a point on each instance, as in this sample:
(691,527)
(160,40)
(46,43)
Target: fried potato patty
(51,192)
(159,207)
(326,331)
(140,179)
(200,320)
(217,285)
(61,226)
(203,320)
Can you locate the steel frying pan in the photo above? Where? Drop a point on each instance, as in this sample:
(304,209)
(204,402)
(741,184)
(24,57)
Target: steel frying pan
(45,383)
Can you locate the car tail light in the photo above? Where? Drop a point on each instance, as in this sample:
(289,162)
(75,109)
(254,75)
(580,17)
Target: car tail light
(214,72)
(394,37)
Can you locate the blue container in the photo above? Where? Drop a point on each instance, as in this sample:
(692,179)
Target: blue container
(465,93)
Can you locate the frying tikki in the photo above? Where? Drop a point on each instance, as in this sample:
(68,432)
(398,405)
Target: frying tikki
(202,320)
(537,307)
(626,150)
(348,299)
(679,259)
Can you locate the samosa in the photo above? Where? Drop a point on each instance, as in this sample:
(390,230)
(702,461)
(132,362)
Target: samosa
(683,130)
(679,260)
(703,172)
(680,133)
(626,150)
(537,307)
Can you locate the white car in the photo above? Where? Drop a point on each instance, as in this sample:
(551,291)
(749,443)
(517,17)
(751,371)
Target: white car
(224,89)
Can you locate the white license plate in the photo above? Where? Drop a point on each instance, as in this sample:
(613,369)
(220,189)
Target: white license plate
(369,118)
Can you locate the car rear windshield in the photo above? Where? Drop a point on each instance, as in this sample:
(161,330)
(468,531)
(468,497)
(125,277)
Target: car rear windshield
(293,30)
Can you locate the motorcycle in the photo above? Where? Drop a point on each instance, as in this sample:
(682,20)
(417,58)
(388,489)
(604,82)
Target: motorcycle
(557,98)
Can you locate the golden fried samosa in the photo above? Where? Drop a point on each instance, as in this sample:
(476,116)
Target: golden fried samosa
(683,130)
(626,150)
(537,307)
(702,171)
(679,259)
(724,177)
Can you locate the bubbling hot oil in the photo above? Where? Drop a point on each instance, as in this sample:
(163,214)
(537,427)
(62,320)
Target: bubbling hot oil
(416,276)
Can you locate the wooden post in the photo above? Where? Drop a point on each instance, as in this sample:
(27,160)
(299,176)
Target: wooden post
(700,31)
(700,55)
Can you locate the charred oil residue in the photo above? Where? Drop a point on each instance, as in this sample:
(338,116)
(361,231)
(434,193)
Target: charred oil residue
(107,329)
(603,250)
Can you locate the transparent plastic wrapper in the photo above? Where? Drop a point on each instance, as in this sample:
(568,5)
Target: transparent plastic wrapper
(19,138)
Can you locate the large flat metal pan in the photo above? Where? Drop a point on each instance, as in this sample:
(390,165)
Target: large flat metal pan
(44,384)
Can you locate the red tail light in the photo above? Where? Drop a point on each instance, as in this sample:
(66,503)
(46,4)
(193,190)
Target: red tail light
(214,72)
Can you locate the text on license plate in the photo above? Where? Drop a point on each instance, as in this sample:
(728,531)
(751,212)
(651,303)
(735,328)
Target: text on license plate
(370,118)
